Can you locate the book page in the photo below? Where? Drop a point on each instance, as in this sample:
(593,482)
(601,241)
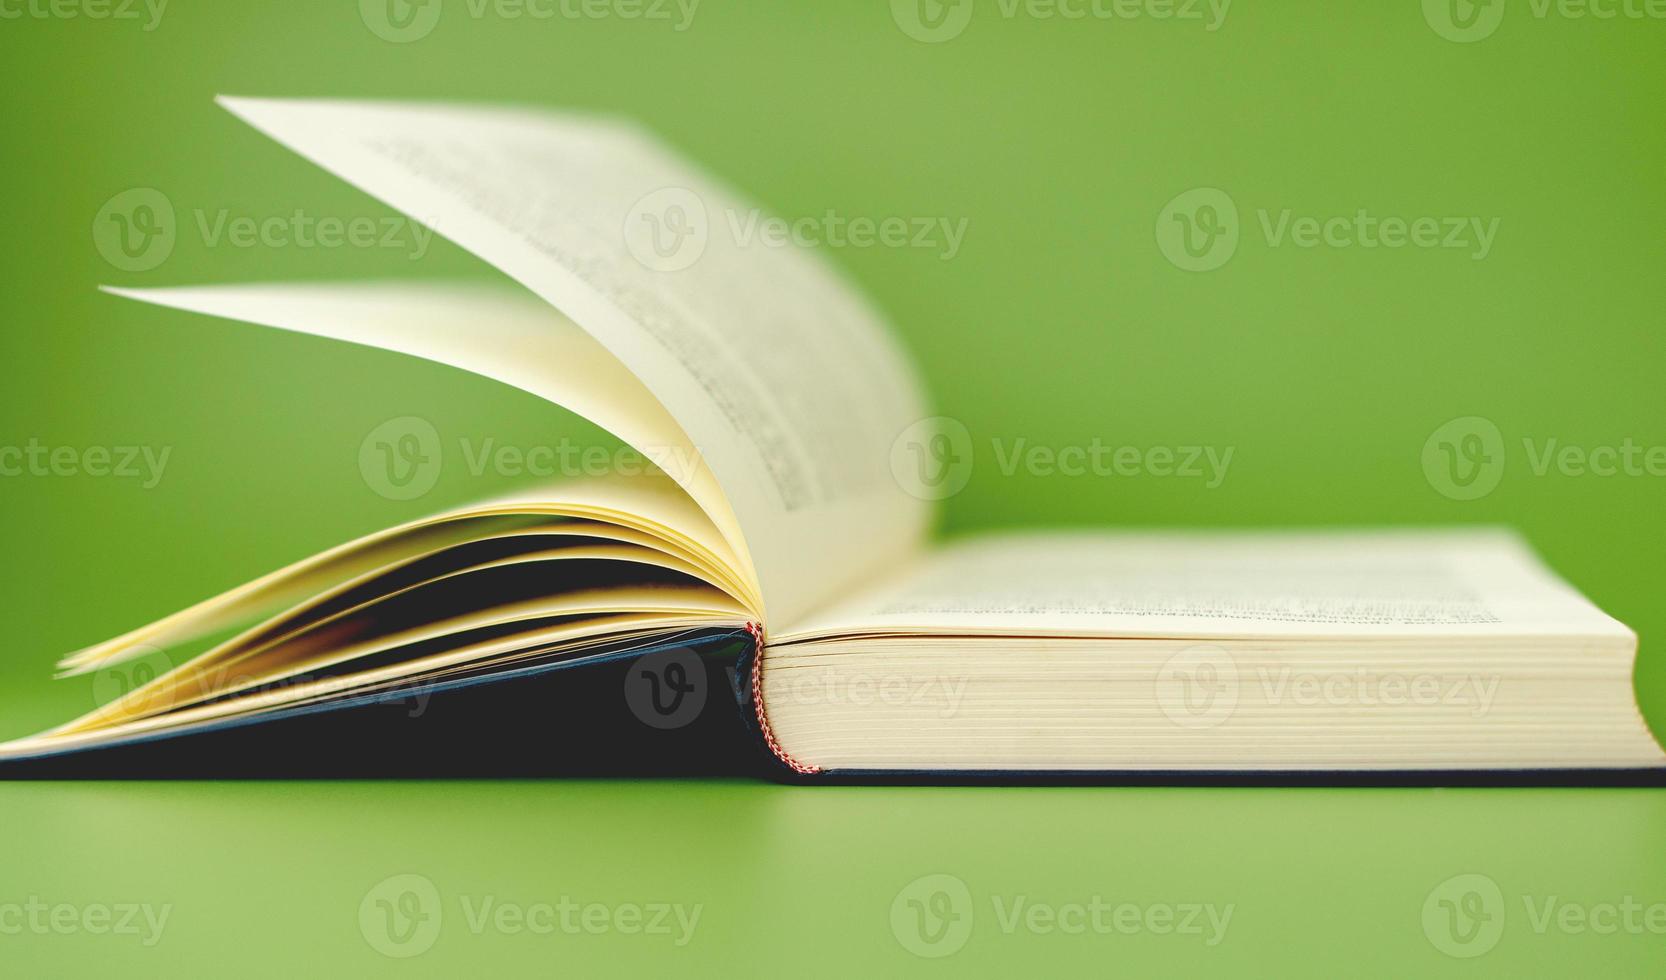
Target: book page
(784,379)
(493,331)
(1244,585)
(649,504)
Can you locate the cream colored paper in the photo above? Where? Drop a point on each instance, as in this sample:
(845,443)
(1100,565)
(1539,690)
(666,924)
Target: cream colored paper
(783,378)
(1382,585)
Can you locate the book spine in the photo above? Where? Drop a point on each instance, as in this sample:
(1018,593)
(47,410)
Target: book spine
(749,693)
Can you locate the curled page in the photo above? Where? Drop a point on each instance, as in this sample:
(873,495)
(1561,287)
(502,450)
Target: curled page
(496,332)
(786,382)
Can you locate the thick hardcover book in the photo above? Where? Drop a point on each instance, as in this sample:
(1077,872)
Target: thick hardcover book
(763,589)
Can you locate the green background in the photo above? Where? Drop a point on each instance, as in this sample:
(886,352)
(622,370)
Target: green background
(1059,321)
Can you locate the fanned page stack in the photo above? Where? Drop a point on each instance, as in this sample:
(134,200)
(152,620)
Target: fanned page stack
(771,395)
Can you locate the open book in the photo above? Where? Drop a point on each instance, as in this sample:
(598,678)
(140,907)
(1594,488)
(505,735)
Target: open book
(790,506)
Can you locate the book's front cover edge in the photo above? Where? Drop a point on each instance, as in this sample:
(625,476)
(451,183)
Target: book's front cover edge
(720,648)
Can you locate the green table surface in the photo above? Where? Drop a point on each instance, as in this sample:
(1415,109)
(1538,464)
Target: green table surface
(803,880)
(1063,316)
